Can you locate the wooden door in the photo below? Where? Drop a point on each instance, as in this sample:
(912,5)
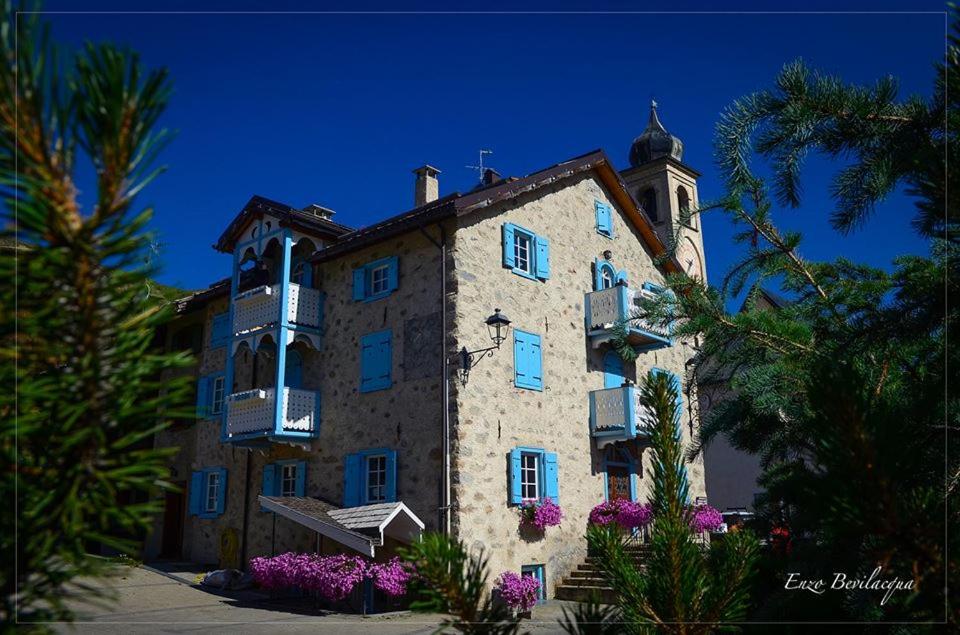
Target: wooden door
(618,482)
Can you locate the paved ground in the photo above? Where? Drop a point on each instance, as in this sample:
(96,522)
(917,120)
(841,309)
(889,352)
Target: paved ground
(151,601)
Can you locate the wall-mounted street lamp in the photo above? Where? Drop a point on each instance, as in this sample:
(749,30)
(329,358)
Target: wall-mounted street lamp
(497,326)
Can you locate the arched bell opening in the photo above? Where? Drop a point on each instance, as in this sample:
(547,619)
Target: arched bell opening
(265,363)
(242,368)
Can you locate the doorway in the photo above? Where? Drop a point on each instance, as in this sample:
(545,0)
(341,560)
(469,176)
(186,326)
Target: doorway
(172,540)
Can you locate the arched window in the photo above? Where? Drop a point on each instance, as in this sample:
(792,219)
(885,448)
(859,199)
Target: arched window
(604,275)
(649,201)
(683,203)
(300,273)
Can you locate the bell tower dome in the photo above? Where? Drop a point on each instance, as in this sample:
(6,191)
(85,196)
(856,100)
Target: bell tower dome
(664,187)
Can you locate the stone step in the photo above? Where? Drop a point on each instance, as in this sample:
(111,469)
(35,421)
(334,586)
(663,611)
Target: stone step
(585,593)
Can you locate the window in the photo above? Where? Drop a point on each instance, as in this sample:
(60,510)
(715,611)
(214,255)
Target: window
(533,475)
(605,275)
(212,493)
(376,361)
(216,402)
(528,360)
(526,253)
(648,200)
(211,392)
(604,219)
(288,479)
(370,477)
(298,273)
(208,492)
(521,251)
(529,481)
(376,479)
(376,279)
(606,278)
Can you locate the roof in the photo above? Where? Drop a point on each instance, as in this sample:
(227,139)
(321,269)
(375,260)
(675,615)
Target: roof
(288,216)
(361,528)
(457,204)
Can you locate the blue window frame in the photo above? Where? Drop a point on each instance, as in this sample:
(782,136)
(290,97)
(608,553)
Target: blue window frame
(525,253)
(376,361)
(208,492)
(220,331)
(533,475)
(370,477)
(376,280)
(527,360)
(284,478)
(536,571)
(604,219)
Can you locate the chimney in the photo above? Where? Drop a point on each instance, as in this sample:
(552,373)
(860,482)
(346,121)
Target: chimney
(427,188)
(319,211)
(490,176)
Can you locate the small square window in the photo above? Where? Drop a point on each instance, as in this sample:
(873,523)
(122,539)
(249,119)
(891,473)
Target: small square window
(529,476)
(521,252)
(216,402)
(536,571)
(376,479)
(379,279)
(288,480)
(213,492)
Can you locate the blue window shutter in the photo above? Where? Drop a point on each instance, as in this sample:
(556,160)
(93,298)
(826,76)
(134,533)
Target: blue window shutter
(222,491)
(301,483)
(270,485)
(543,257)
(604,218)
(376,361)
(196,493)
(393,273)
(613,373)
(509,258)
(359,283)
(551,482)
(597,279)
(536,362)
(621,276)
(351,480)
(391,476)
(521,372)
(220,333)
(515,497)
(203,396)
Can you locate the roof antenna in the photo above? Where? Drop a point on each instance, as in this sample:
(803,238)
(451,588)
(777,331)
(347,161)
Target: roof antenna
(481,169)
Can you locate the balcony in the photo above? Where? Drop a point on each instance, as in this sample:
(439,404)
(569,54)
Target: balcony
(260,307)
(252,414)
(613,414)
(607,307)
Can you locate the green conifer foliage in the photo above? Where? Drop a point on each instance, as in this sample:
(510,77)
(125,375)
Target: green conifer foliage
(85,388)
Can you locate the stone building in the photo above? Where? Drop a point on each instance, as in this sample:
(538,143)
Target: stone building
(353,388)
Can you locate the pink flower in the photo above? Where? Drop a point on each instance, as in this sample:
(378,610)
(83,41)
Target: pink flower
(333,577)
(704,518)
(627,514)
(519,592)
(390,577)
(540,514)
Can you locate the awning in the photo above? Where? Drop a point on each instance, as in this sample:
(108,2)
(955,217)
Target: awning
(361,528)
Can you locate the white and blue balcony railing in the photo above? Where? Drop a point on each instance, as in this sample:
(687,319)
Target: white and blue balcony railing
(253,414)
(614,414)
(608,307)
(260,307)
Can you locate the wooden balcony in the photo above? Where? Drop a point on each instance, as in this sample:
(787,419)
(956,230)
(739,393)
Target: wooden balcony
(613,414)
(260,307)
(608,307)
(251,414)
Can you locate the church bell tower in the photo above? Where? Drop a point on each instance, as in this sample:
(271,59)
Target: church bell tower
(664,185)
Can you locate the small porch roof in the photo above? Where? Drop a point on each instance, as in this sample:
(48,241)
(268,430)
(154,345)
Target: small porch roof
(361,528)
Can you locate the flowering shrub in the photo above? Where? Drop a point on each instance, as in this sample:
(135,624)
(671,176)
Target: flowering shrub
(333,577)
(705,518)
(390,577)
(627,514)
(540,514)
(519,592)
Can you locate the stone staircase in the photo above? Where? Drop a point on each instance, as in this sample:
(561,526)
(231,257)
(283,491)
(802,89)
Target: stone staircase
(587,580)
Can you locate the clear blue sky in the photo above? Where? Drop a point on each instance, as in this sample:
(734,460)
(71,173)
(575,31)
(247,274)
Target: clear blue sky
(337,109)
